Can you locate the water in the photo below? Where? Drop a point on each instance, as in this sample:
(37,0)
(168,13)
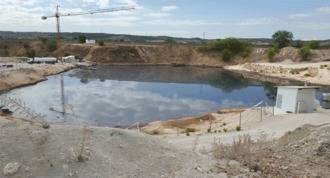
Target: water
(123,95)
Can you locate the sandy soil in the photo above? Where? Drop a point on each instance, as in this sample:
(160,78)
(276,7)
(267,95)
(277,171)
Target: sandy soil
(26,74)
(92,152)
(315,73)
(271,126)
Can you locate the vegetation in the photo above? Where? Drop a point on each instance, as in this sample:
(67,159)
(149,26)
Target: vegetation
(51,45)
(229,48)
(82,39)
(282,39)
(304,52)
(170,40)
(238,128)
(313,44)
(101,43)
(271,52)
(4,52)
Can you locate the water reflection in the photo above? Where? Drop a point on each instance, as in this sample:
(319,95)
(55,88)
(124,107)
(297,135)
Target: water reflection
(124,95)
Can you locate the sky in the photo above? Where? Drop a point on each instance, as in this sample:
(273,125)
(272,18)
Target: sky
(307,19)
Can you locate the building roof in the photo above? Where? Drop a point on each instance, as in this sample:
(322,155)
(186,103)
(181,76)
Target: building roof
(299,87)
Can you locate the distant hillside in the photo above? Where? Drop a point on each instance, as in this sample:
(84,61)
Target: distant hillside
(9,35)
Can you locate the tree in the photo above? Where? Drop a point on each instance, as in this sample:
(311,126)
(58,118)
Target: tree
(282,39)
(82,39)
(304,52)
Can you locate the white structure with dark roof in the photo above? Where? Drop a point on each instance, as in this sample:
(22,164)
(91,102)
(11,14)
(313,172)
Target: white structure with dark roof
(295,99)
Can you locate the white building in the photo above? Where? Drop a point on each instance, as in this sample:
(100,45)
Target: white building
(295,99)
(47,60)
(89,41)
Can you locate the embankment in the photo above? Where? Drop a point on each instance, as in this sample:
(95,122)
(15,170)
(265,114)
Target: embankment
(29,76)
(285,74)
(143,55)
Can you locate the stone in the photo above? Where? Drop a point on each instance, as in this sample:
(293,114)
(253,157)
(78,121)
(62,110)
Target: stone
(11,169)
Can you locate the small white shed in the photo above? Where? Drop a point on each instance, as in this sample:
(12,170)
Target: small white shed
(90,41)
(295,99)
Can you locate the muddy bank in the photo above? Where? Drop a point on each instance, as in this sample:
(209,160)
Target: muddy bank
(28,76)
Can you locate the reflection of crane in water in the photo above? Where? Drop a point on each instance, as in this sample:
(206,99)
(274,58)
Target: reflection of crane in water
(58,15)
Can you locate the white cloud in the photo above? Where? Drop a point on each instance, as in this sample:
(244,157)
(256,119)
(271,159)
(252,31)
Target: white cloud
(168,8)
(325,10)
(257,21)
(299,16)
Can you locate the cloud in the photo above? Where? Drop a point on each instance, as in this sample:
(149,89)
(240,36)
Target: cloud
(168,8)
(324,10)
(299,16)
(257,21)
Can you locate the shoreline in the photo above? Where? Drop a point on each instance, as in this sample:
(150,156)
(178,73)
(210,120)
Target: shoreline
(284,74)
(23,77)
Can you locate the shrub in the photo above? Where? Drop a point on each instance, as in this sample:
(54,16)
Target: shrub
(238,128)
(313,44)
(307,75)
(101,43)
(229,48)
(209,130)
(304,52)
(225,130)
(82,39)
(4,53)
(271,52)
(190,130)
(226,55)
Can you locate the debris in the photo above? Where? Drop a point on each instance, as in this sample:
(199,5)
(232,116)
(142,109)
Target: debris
(11,169)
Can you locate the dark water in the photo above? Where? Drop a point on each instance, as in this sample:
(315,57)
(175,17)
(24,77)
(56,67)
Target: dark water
(114,96)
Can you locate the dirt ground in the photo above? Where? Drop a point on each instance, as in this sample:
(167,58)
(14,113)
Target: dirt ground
(26,74)
(29,151)
(315,73)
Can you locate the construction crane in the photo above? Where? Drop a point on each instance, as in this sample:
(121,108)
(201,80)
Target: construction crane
(58,15)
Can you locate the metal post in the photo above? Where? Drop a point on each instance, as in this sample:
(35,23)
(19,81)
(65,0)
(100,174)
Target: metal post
(261,114)
(240,120)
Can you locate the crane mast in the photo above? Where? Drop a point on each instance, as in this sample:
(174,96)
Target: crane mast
(58,16)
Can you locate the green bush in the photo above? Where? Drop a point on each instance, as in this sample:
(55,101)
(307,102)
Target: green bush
(4,53)
(190,130)
(82,39)
(238,128)
(271,52)
(304,52)
(229,48)
(313,44)
(101,43)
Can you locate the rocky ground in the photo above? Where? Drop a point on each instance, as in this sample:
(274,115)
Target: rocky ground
(315,73)
(304,152)
(22,74)
(29,151)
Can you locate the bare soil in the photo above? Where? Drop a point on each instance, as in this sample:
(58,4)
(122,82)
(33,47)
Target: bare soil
(30,74)
(88,152)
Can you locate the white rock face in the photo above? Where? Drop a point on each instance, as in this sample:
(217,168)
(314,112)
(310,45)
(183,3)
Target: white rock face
(11,169)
